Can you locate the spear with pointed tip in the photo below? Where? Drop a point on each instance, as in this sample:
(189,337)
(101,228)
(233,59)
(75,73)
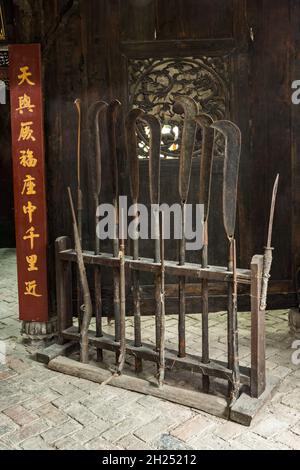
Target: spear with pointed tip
(268,255)
(232,136)
(206,166)
(77,104)
(190,110)
(95,112)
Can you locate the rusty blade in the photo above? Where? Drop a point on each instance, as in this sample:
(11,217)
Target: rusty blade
(131,141)
(190,109)
(206,164)
(272,212)
(95,111)
(233,142)
(113,115)
(154,156)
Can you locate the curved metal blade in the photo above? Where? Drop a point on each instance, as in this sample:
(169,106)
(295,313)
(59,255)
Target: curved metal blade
(206,164)
(154,156)
(190,109)
(131,140)
(233,140)
(95,110)
(113,114)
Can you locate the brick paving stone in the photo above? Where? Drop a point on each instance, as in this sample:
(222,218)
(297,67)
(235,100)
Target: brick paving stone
(91,432)
(20,415)
(192,428)
(167,442)
(290,439)
(152,430)
(58,432)
(229,430)
(52,415)
(27,432)
(44,399)
(7,425)
(120,430)
(101,444)
(3,446)
(130,442)
(256,442)
(35,443)
(68,443)
(81,414)
(270,427)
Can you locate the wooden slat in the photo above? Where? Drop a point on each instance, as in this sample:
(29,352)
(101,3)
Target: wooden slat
(212,273)
(147,352)
(214,405)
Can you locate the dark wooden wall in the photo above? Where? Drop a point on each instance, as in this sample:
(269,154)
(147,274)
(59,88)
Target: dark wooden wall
(86,47)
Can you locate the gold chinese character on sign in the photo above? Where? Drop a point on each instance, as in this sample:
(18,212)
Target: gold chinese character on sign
(29,210)
(26,132)
(24,76)
(29,186)
(32,261)
(27,159)
(31,288)
(25,104)
(31,235)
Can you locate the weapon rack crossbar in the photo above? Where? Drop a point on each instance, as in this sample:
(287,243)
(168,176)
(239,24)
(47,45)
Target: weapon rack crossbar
(253,382)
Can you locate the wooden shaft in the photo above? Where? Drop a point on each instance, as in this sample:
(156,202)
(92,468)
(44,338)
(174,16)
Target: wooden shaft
(136,296)
(116,276)
(162,318)
(98,289)
(88,310)
(182,290)
(233,350)
(258,338)
(158,281)
(205,312)
(122,353)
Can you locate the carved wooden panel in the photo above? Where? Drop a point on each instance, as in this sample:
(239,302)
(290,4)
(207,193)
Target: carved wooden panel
(154,85)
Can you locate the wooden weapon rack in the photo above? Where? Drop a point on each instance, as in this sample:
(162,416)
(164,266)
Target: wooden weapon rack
(226,390)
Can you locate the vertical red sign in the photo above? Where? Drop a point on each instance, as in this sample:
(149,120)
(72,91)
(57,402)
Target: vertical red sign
(25,75)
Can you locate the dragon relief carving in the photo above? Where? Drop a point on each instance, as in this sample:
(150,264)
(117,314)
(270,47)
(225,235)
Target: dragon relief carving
(155,83)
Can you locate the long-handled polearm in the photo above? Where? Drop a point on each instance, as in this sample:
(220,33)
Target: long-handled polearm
(162,318)
(154,182)
(268,255)
(206,166)
(88,309)
(190,110)
(95,112)
(113,117)
(233,139)
(133,158)
(77,104)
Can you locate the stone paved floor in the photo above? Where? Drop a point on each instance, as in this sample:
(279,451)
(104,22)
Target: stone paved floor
(40,409)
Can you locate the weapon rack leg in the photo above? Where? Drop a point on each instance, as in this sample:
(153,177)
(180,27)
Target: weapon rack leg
(205,333)
(117,313)
(98,305)
(63,288)
(258,341)
(182,291)
(233,348)
(122,353)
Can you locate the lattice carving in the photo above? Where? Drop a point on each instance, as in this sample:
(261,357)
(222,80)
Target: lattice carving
(154,84)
